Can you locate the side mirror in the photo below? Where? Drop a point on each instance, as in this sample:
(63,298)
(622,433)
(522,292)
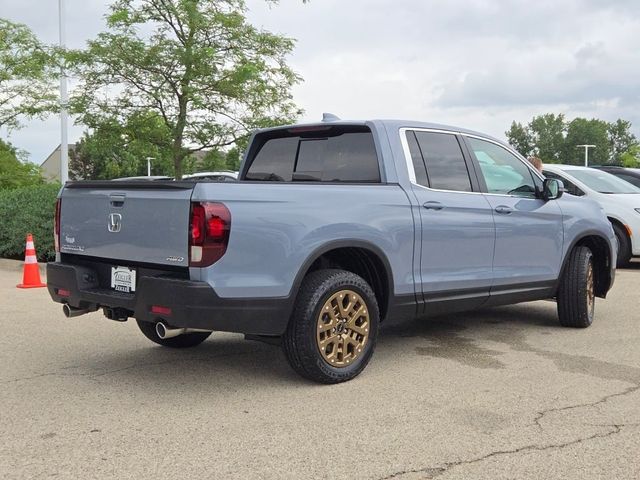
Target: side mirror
(552,189)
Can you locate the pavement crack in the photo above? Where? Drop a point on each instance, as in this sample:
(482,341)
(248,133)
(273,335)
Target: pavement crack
(433,472)
(540,415)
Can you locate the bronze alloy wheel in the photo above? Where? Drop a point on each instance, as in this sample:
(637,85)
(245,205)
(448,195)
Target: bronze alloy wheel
(591,298)
(343,328)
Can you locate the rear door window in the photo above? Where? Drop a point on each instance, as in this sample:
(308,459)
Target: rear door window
(334,154)
(416,158)
(445,164)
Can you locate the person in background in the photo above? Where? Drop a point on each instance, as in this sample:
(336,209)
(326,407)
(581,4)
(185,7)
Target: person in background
(536,162)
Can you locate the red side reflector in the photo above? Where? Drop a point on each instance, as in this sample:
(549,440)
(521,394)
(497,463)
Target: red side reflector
(160,310)
(64,293)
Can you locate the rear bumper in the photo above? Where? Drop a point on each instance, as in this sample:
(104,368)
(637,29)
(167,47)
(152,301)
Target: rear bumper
(192,304)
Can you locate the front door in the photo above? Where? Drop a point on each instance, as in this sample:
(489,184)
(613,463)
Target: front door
(529,230)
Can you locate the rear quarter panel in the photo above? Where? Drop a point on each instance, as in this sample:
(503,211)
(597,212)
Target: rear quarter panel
(277,227)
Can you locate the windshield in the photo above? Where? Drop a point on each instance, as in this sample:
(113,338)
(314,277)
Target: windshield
(603,182)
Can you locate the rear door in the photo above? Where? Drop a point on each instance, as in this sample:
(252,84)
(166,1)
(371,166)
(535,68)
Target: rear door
(529,230)
(145,222)
(457,229)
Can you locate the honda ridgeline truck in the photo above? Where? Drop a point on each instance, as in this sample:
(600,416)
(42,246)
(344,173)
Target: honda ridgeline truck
(331,229)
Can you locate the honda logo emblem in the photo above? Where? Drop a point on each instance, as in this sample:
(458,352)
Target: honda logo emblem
(115,222)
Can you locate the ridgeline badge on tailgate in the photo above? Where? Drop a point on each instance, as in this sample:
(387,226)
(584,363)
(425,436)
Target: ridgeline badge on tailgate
(115,222)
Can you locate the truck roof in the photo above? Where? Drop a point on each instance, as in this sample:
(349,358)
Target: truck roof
(389,124)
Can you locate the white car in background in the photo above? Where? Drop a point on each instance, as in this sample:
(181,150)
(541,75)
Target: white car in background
(619,199)
(222,176)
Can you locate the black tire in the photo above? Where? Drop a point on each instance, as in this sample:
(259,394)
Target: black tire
(186,340)
(624,246)
(300,343)
(576,299)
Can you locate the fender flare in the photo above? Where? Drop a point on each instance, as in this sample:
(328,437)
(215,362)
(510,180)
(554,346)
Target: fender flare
(589,233)
(344,243)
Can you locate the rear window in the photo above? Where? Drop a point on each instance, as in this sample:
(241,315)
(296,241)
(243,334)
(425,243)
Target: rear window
(446,168)
(331,154)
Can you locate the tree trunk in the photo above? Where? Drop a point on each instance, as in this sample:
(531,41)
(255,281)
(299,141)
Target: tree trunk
(177,165)
(178,151)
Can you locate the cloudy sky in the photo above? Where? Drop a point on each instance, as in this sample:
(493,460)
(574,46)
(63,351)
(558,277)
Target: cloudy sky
(479,64)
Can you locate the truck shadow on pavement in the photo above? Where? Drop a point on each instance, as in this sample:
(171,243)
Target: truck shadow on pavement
(633,266)
(463,338)
(225,358)
(458,337)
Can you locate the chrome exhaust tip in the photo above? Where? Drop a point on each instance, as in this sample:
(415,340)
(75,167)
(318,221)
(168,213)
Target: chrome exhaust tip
(73,311)
(164,332)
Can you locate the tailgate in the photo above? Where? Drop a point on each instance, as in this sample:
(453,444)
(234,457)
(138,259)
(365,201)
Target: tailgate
(144,222)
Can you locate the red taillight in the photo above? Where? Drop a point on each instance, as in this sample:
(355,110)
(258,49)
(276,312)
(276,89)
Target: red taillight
(209,229)
(56,225)
(197,224)
(64,293)
(216,227)
(160,310)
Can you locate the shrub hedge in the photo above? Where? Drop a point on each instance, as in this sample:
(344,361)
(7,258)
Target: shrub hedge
(27,210)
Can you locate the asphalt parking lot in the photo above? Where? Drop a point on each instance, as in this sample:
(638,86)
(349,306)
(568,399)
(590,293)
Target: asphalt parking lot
(501,393)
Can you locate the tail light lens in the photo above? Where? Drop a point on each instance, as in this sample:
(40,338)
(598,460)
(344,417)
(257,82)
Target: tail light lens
(209,229)
(56,225)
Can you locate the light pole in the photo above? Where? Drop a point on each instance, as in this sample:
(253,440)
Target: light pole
(64,98)
(149,165)
(586,153)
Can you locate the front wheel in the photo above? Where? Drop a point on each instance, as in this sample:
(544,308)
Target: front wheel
(576,293)
(185,340)
(332,332)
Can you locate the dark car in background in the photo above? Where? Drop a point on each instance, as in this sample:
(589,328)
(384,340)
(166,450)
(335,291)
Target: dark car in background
(631,175)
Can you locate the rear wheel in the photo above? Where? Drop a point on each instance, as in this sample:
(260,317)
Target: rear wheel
(624,246)
(576,293)
(186,340)
(332,332)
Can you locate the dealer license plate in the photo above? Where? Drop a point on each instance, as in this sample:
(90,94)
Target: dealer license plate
(123,279)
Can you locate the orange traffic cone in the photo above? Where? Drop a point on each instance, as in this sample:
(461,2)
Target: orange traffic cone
(31,272)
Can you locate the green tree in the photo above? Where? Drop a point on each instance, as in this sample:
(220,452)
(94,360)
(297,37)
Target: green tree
(234,157)
(214,160)
(198,64)
(547,132)
(582,131)
(520,138)
(620,140)
(631,158)
(27,74)
(236,153)
(13,172)
(111,149)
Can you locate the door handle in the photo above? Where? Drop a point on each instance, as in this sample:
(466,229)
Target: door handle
(433,206)
(503,209)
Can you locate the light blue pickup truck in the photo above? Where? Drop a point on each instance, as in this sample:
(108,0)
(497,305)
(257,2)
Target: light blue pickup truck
(331,229)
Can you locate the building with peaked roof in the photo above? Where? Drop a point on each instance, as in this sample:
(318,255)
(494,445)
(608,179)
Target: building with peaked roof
(51,165)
